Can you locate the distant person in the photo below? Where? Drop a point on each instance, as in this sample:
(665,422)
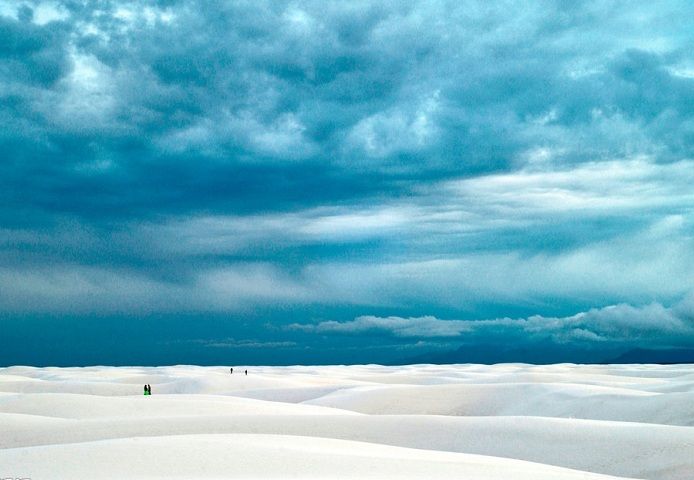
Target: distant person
(146,390)
(149,389)
(246,372)
(231,370)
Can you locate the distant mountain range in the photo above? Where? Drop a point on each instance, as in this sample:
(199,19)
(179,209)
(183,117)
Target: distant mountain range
(642,355)
(548,353)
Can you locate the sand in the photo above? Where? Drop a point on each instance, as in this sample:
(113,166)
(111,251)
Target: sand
(509,421)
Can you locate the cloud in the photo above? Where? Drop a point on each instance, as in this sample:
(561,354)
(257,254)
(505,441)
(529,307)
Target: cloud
(625,267)
(243,343)
(76,289)
(585,232)
(510,202)
(400,327)
(400,93)
(427,155)
(648,325)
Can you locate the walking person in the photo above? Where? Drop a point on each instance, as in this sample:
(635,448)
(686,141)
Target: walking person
(246,372)
(231,370)
(146,390)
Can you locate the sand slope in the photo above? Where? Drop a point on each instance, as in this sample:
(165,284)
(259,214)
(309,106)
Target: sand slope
(264,456)
(631,421)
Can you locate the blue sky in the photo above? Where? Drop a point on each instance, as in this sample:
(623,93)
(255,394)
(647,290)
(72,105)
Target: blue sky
(281,182)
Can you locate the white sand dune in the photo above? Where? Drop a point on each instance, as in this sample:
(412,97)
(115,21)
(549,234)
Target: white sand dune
(424,421)
(265,456)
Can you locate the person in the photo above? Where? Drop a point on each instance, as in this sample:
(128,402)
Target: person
(246,372)
(231,370)
(149,389)
(146,390)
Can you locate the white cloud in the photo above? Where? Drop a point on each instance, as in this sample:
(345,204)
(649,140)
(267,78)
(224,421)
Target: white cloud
(630,268)
(523,199)
(400,327)
(609,187)
(227,287)
(653,324)
(385,133)
(46,12)
(86,98)
(85,289)
(282,137)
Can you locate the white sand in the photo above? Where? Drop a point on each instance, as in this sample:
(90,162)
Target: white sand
(507,421)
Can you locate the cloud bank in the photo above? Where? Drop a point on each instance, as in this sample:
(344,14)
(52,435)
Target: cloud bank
(315,160)
(650,325)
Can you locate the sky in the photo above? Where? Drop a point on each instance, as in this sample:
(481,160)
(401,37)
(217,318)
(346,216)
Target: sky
(273,182)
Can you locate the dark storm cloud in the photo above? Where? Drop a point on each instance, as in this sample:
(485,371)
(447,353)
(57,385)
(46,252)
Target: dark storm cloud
(165,156)
(169,97)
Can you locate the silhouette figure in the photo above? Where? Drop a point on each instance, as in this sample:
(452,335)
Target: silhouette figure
(231,370)
(149,389)
(146,390)
(246,372)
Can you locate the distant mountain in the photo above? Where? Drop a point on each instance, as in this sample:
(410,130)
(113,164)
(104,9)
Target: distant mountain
(547,353)
(490,354)
(643,355)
